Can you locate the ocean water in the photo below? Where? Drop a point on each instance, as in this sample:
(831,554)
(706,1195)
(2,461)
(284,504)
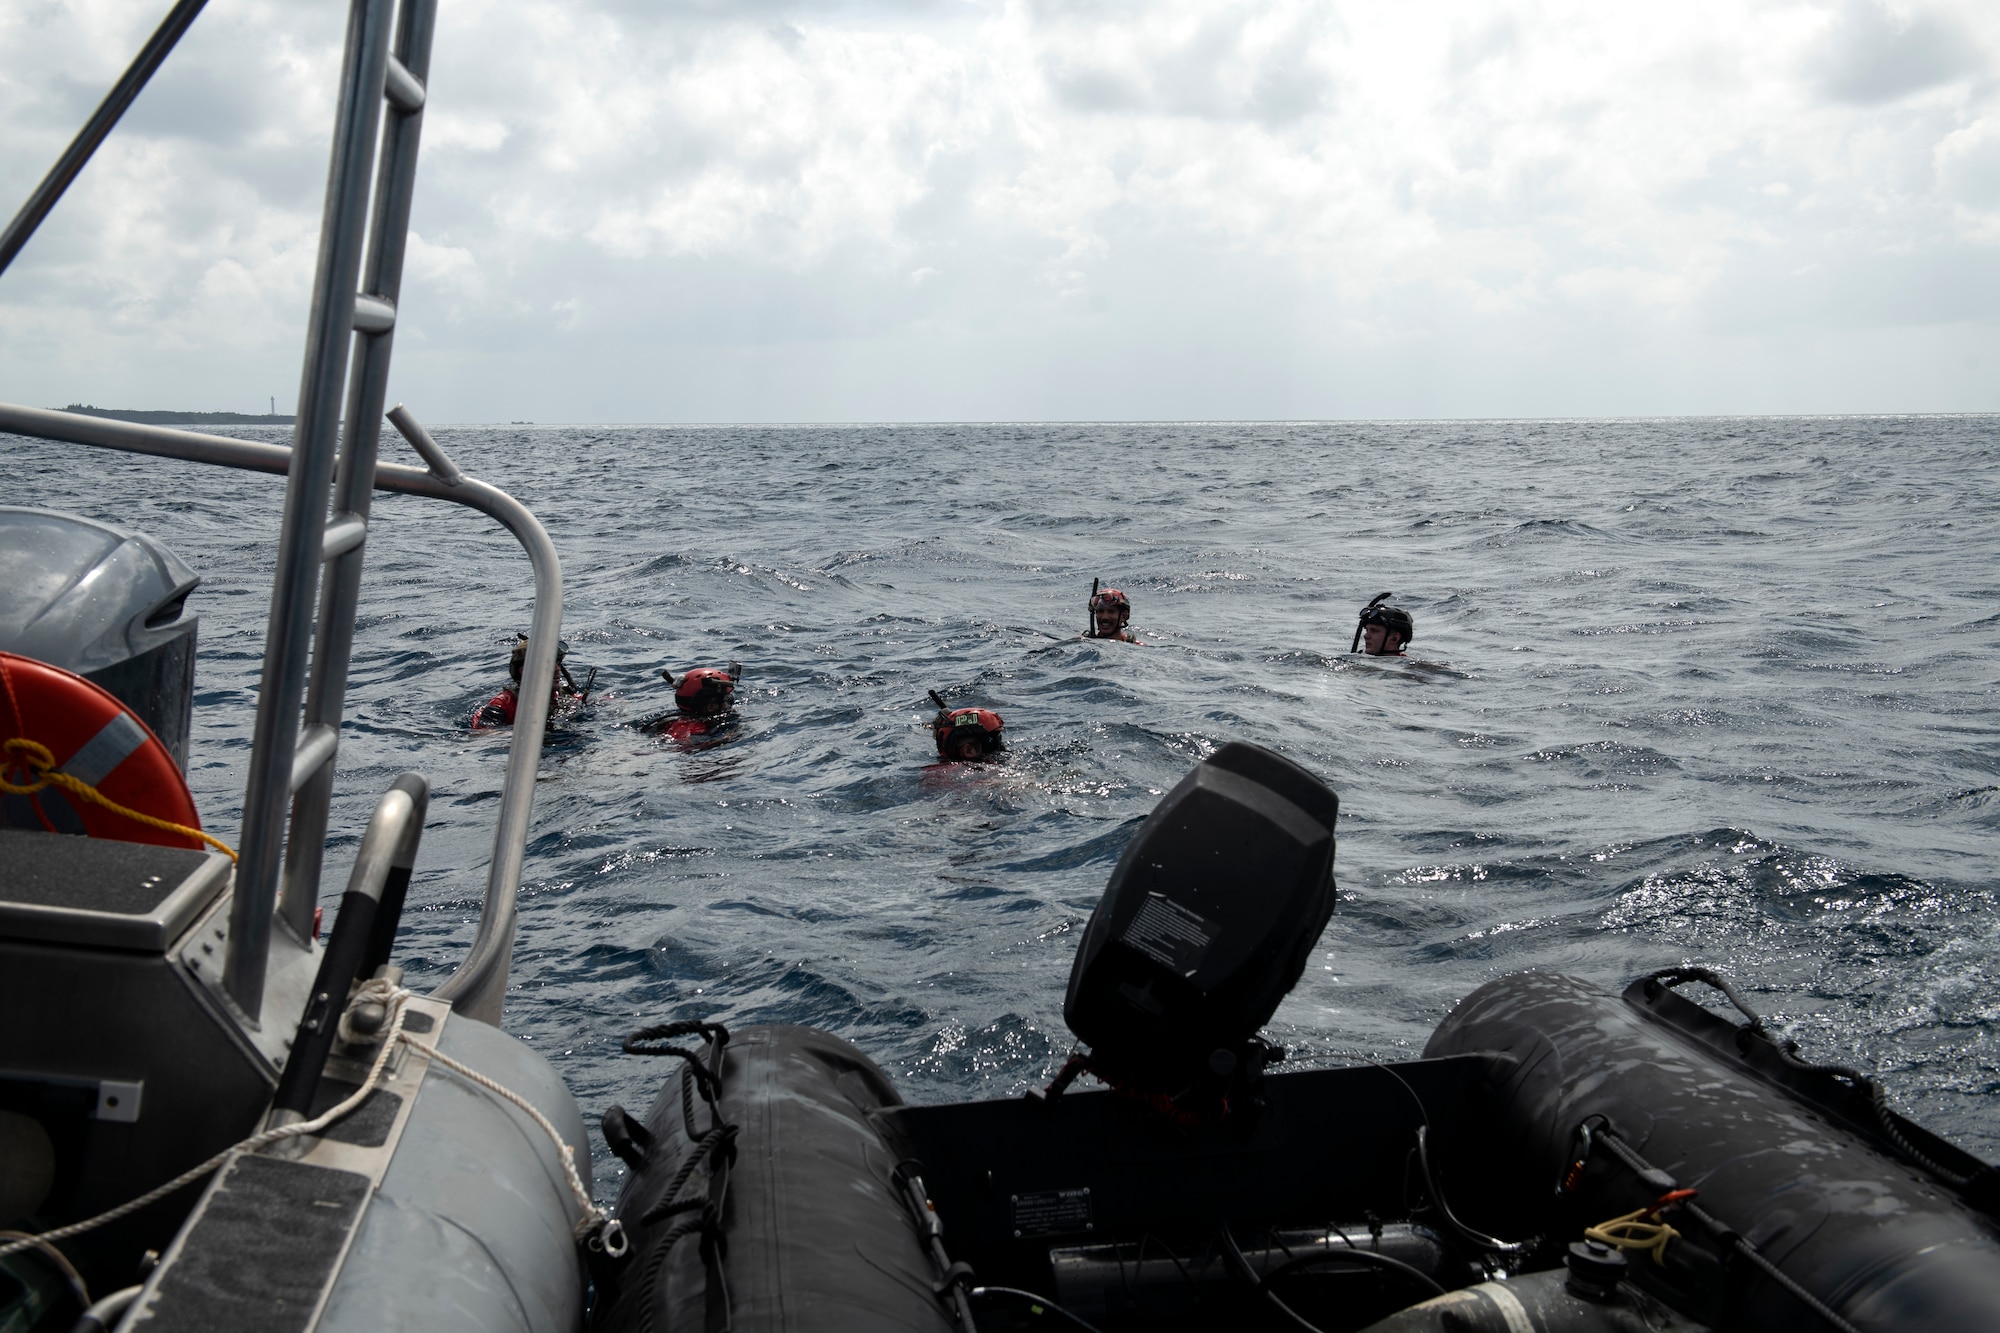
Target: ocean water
(1715,691)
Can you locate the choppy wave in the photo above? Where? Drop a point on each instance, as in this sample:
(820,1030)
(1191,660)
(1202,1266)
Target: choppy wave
(1714,691)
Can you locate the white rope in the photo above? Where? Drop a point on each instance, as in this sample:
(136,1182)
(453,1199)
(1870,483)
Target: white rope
(600,1230)
(594,1218)
(251,1144)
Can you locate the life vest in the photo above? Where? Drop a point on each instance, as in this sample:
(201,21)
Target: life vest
(55,722)
(698,733)
(497,711)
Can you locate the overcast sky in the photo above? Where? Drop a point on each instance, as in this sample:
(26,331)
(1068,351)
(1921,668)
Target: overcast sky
(632,210)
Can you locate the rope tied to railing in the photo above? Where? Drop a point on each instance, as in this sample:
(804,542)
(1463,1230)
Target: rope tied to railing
(39,763)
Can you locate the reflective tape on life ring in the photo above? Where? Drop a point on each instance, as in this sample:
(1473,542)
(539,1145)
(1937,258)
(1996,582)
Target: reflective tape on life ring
(96,742)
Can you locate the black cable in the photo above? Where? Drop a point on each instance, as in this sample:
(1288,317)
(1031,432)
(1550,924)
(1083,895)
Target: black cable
(1043,1302)
(1479,1238)
(1243,1270)
(953,1278)
(1674,976)
(1633,1162)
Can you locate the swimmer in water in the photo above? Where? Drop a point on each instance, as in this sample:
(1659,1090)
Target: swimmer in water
(1110,612)
(1384,631)
(500,709)
(966,735)
(704,703)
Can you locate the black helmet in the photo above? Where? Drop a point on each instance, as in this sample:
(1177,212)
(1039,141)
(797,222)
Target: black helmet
(1393,619)
(517,661)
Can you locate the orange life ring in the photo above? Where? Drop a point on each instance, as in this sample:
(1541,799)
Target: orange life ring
(97,741)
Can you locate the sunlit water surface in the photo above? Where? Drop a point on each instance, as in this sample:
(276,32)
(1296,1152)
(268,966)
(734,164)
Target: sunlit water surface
(1684,690)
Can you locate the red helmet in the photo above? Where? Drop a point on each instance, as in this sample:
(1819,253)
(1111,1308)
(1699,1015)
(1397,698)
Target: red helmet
(704,691)
(968,733)
(1112,600)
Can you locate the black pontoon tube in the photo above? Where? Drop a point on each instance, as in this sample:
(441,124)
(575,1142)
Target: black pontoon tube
(1781,1162)
(1655,1177)
(1892,1128)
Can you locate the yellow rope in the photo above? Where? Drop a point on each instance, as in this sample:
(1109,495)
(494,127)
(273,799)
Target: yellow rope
(41,763)
(1634,1231)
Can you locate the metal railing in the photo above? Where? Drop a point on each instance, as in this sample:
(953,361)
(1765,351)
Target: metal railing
(294,747)
(308,532)
(408,64)
(479,984)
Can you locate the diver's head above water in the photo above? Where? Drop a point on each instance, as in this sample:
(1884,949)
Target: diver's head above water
(1110,612)
(966,735)
(705,691)
(1384,631)
(517,661)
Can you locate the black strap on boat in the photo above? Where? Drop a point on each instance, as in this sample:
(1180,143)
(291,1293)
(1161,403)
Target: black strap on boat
(1884,1119)
(1716,1227)
(954,1279)
(716,1035)
(715,1145)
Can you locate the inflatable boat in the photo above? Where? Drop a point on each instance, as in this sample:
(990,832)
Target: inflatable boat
(218,1114)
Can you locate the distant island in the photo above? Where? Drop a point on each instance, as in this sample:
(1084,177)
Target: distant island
(183,418)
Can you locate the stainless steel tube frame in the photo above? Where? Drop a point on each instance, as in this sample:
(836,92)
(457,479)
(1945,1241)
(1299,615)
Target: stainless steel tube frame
(393,834)
(340,584)
(479,985)
(267,789)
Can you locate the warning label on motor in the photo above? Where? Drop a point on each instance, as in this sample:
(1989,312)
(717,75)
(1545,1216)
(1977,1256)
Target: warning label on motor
(1170,935)
(1051,1213)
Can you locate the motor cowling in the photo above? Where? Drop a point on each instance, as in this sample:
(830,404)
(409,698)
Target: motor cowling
(1207,922)
(106,604)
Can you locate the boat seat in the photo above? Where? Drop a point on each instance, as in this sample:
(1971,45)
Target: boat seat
(96,893)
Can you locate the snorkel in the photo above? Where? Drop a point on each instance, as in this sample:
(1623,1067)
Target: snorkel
(1367,619)
(1109,604)
(981,727)
(1391,620)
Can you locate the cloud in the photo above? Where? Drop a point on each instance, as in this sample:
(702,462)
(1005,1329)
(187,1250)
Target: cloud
(1875,53)
(1020,209)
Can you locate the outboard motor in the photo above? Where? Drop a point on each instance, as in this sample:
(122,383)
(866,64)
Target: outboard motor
(106,604)
(1206,925)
